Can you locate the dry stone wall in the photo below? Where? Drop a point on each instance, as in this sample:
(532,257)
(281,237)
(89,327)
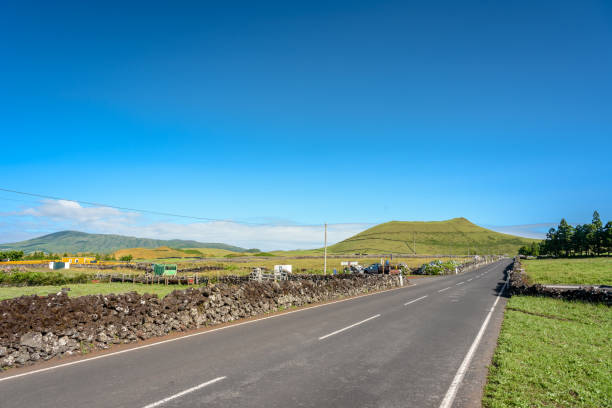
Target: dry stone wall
(34,328)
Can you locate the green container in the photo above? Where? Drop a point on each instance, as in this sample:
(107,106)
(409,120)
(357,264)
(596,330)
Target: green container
(164,270)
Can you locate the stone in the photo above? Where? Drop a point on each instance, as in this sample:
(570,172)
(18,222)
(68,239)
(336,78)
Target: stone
(21,357)
(32,339)
(7,361)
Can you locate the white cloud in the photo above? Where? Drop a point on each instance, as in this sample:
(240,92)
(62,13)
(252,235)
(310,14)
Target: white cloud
(537,231)
(73,212)
(71,215)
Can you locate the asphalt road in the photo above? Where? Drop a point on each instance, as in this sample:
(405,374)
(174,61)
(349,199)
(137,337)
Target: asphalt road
(401,348)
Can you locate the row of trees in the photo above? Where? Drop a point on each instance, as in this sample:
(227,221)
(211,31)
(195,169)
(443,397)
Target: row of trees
(567,240)
(11,255)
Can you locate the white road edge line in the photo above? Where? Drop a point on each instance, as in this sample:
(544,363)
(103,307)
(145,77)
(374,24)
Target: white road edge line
(415,300)
(460,283)
(447,402)
(85,360)
(469,280)
(348,327)
(442,290)
(187,391)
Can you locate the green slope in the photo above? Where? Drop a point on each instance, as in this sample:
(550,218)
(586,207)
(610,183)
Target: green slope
(455,236)
(75,241)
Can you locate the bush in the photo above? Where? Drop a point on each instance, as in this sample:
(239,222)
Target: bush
(41,278)
(438,267)
(11,255)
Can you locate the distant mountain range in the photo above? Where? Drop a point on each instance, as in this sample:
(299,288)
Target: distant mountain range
(75,242)
(455,236)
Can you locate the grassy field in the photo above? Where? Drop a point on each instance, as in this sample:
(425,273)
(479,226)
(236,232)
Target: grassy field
(596,271)
(151,254)
(552,353)
(83,289)
(456,236)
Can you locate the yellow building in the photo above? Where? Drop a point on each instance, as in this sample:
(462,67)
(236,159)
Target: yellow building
(79,260)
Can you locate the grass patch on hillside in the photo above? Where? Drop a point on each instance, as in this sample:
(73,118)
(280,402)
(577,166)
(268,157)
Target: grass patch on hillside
(264,254)
(90,289)
(552,353)
(189,251)
(579,271)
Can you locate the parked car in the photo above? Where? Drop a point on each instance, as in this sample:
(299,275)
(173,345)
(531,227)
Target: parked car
(373,269)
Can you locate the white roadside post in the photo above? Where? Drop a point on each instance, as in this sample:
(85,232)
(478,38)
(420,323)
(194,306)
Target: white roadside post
(325,253)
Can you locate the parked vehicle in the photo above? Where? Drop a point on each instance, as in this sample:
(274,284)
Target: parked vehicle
(354,269)
(373,269)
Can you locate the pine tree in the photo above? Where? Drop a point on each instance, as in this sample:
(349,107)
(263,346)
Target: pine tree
(595,233)
(564,233)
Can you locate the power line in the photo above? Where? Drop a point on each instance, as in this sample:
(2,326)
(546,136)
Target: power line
(151,211)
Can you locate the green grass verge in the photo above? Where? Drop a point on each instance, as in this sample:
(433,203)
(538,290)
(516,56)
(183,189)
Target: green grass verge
(595,271)
(90,289)
(552,353)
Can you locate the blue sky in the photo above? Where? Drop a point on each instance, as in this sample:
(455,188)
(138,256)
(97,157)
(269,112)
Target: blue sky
(351,113)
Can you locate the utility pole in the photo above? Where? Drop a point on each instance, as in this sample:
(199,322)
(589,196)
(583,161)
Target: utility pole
(325,253)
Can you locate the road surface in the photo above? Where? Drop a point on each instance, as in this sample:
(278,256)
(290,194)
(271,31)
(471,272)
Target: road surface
(401,348)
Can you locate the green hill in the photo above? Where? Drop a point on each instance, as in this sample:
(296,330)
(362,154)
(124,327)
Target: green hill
(75,241)
(456,236)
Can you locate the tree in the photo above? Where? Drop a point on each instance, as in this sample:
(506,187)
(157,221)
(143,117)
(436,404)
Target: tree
(11,255)
(524,250)
(36,255)
(126,258)
(552,242)
(608,236)
(598,233)
(591,238)
(579,242)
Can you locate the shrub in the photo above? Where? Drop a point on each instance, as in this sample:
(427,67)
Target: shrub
(41,278)
(438,267)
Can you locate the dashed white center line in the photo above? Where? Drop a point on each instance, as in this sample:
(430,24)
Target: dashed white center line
(415,300)
(348,327)
(460,283)
(447,402)
(442,290)
(187,391)
(469,280)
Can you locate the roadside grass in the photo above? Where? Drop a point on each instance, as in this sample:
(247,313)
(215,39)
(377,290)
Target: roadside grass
(579,271)
(552,353)
(82,289)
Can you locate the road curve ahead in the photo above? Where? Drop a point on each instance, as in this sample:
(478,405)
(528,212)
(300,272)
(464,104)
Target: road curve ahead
(401,348)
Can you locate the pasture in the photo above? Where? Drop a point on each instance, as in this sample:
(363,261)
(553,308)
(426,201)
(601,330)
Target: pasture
(552,353)
(571,271)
